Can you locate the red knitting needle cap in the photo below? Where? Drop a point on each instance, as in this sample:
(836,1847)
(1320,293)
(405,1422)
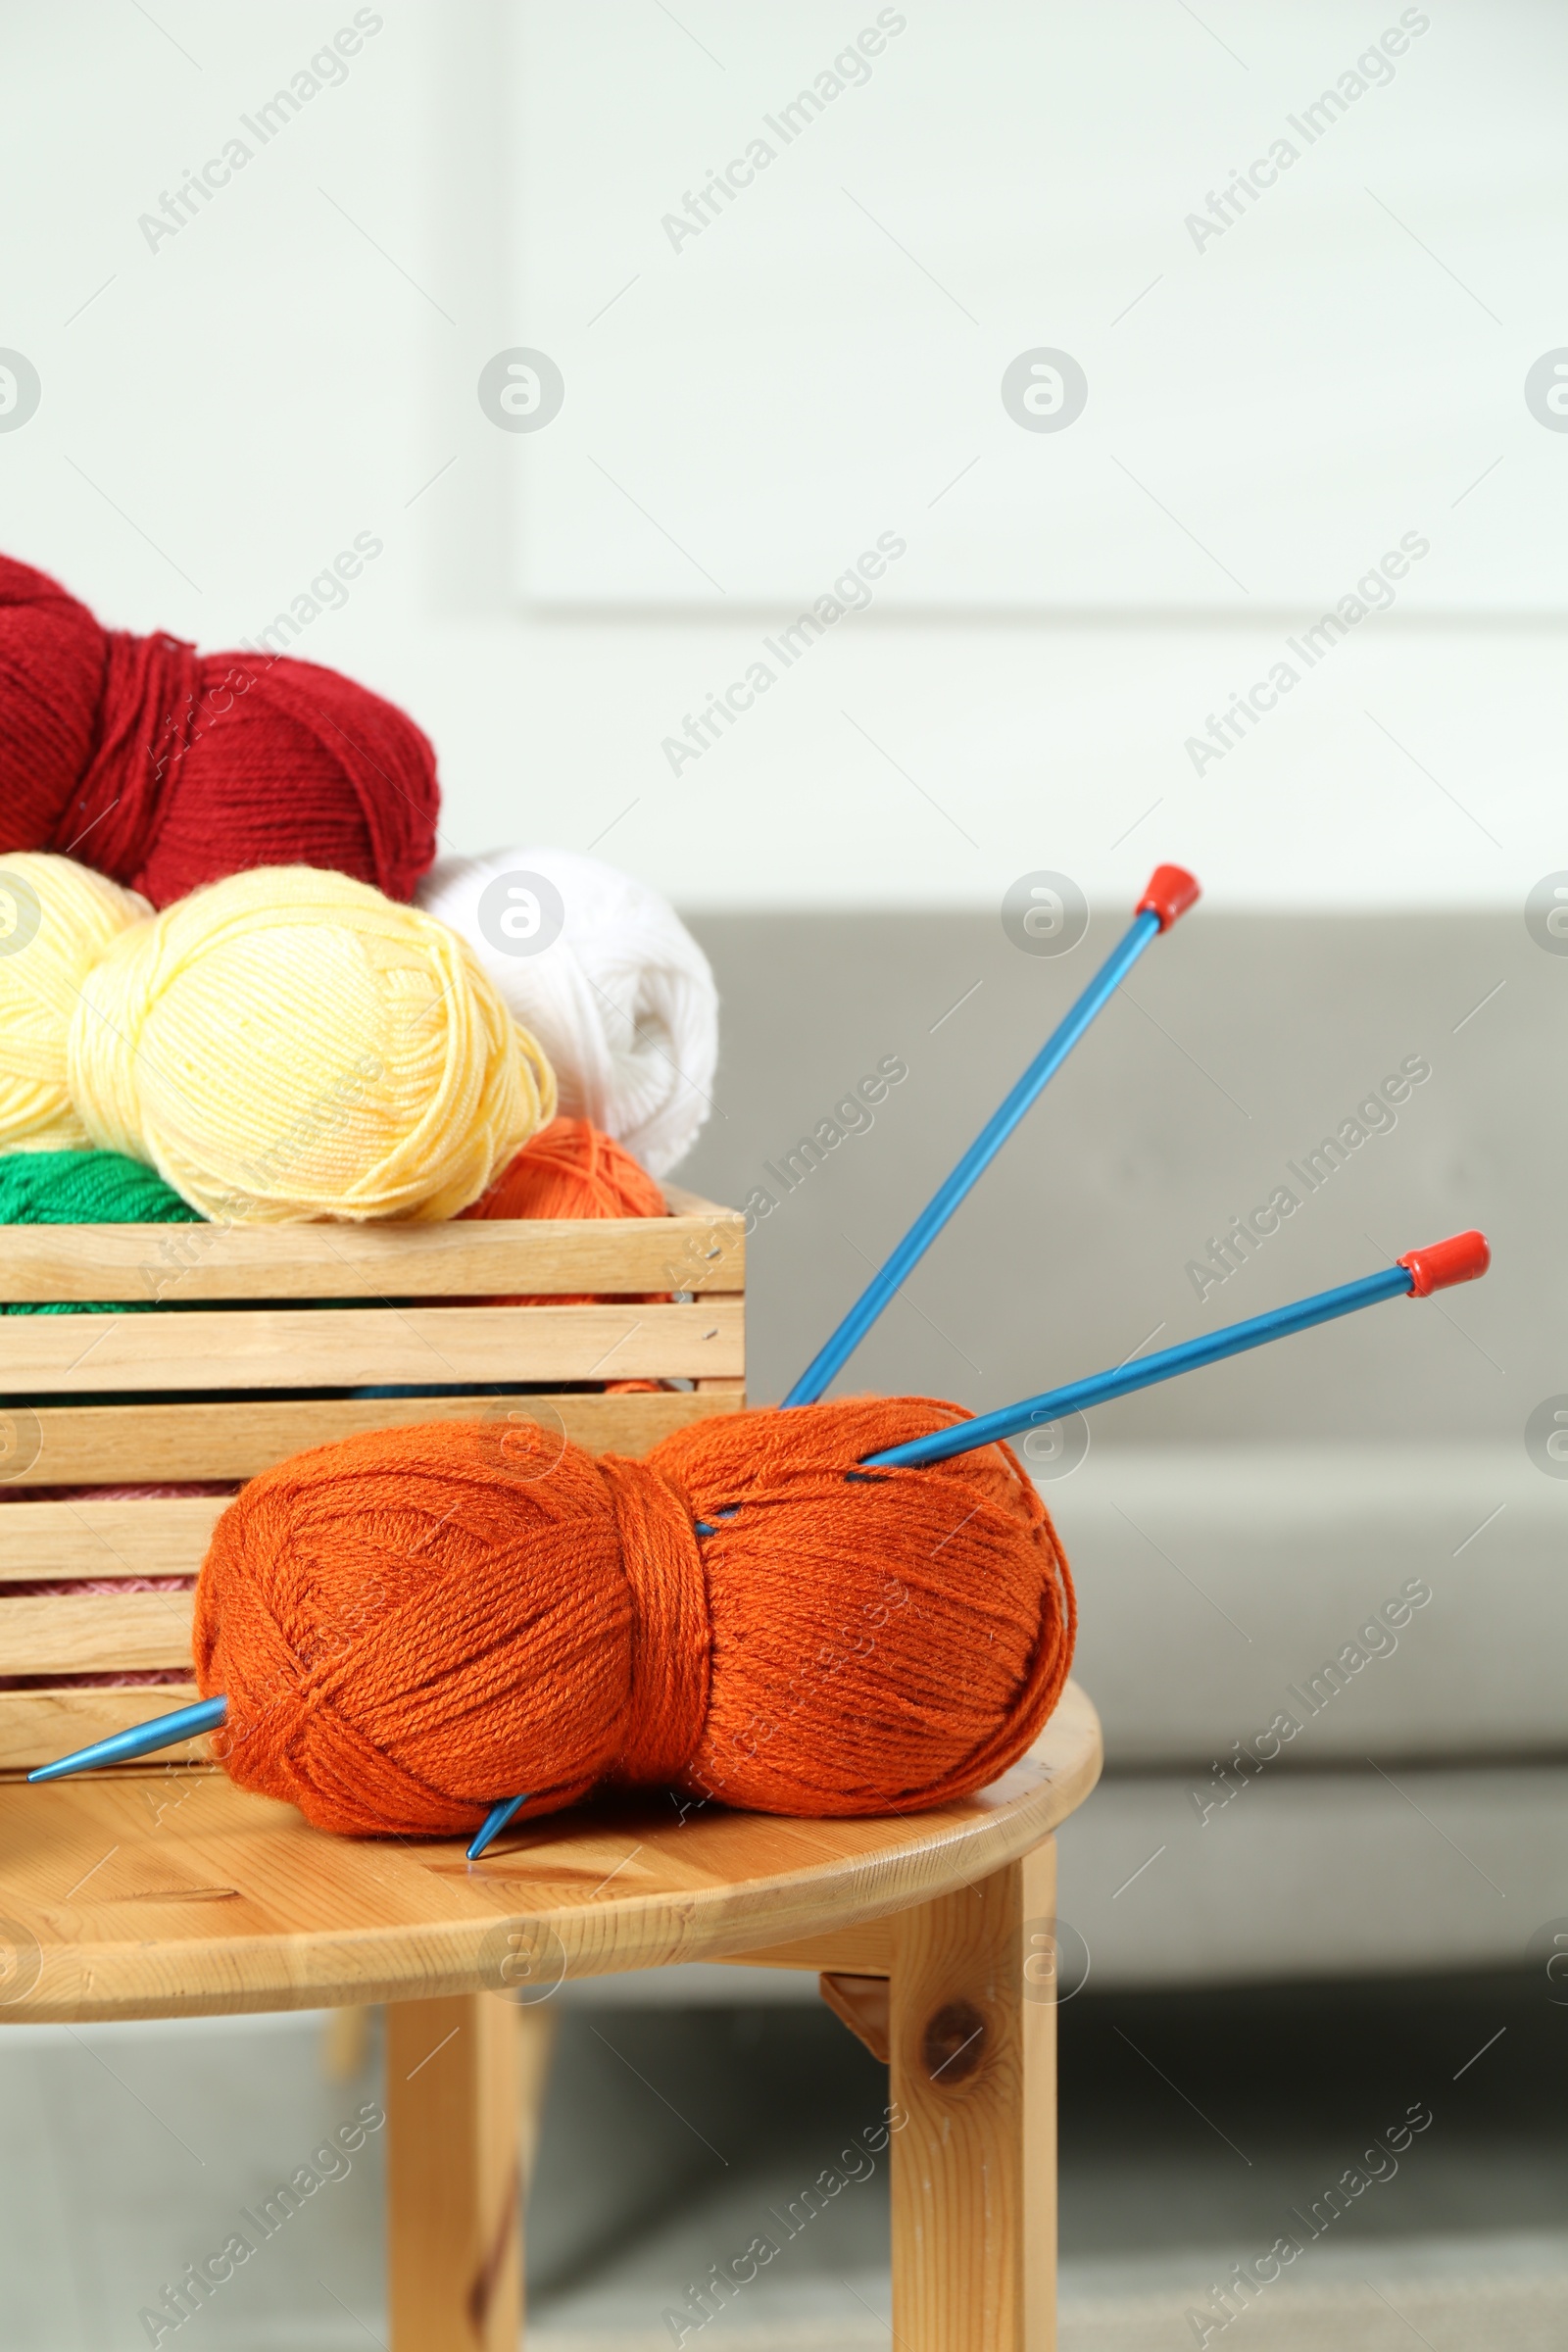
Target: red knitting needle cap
(1462,1257)
(1171,891)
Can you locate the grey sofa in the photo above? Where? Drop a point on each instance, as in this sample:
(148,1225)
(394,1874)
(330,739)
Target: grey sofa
(1238,1535)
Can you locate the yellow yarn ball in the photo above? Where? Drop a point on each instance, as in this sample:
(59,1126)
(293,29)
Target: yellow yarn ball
(288,1044)
(56,918)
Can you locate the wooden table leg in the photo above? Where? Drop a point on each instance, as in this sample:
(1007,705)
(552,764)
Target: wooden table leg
(973,2086)
(345,2042)
(537,2025)
(454,2202)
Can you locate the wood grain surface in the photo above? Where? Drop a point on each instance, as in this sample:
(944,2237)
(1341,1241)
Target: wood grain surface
(453,2174)
(973,2069)
(35,1725)
(170,1892)
(71,1445)
(354,1347)
(93,1632)
(159,1535)
(701,1250)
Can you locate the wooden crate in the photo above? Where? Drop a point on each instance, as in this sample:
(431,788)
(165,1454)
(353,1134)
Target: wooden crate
(286,1307)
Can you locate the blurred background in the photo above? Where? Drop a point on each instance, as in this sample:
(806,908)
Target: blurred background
(890,477)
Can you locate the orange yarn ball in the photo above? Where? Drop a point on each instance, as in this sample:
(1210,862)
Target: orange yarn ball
(571,1169)
(413,1624)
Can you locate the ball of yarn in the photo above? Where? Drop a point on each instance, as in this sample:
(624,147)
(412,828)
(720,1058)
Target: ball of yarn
(290,1044)
(412,1623)
(84,1188)
(57,920)
(571,1169)
(285,1045)
(170,768)
(623,998)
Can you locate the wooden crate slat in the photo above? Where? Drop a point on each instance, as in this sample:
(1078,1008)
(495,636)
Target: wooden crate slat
(275,1343)
(350,1347)
(703,1250)
(168,1443)
(163,1535)
(35,1725)
(99,1633)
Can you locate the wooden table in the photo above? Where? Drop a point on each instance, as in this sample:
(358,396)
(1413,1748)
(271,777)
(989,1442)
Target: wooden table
(168,1892)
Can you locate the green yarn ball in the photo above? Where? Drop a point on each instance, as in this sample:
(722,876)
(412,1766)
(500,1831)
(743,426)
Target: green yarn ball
(85,1188)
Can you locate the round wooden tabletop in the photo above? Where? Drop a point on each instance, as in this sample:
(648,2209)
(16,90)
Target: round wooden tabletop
(167,1892)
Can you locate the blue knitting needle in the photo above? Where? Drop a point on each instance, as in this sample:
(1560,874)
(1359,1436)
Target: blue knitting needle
(142,1739)
(1171,891)
(1416,1276)
(1460,1258)
(495,1821)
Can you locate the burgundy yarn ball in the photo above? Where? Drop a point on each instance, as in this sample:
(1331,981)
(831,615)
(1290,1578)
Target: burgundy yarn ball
(166,768)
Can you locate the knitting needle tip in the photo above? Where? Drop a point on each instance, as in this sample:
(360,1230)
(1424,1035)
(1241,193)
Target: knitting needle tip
(495,1821)
(142,1739)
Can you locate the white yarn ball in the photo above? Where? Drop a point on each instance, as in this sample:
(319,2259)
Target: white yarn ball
(622,1000)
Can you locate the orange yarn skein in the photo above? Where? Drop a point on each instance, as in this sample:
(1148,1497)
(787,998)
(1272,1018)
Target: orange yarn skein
(411,1623)
(571,1169)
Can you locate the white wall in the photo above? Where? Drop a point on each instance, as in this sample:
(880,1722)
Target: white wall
(299,363)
